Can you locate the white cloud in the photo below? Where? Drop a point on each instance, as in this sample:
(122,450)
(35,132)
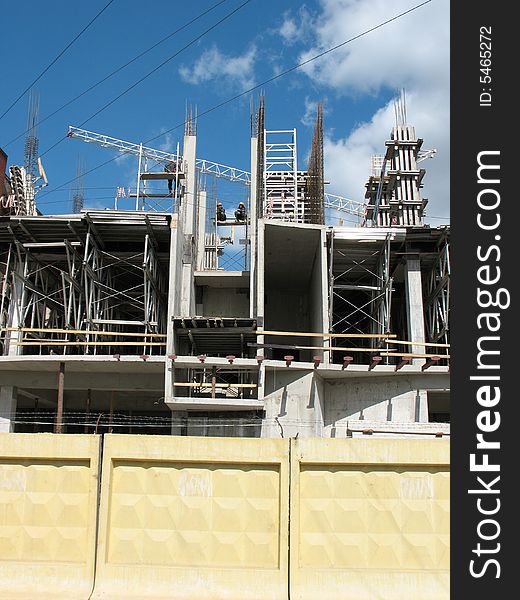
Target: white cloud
(412,53)
(169,142)
(237,71)
(311,107)
(311,110)
(297,28)
(288,30)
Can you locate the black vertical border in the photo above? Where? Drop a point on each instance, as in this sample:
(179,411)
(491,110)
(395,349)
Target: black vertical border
(475,129)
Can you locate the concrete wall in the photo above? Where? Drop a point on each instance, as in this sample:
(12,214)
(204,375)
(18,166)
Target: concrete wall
(8,400)
(193,518)
(307,404)
(287,310)
(200,518)
(370,519)
(224,302)
(48,503)
(398,399)
(295,399)
(318,300)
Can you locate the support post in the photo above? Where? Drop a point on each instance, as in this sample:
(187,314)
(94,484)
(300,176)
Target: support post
(201,229)
(111,413)
(7,408)
(253,218)
(213,381)
(59,412)
(173,285)
(414,302)
(87,415)
(188,227)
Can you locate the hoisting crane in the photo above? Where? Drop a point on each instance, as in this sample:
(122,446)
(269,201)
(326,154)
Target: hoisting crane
(204,166)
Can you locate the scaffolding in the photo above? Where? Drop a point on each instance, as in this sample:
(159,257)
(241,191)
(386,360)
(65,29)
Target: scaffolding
(437,294)
(85,284)
(226,242)
(284,192)
(361,286)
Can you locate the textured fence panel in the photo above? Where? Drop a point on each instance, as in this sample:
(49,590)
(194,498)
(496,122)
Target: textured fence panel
(369,519)
(48,507)
(193,518)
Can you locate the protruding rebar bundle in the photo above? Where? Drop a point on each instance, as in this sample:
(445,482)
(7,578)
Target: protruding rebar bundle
(78,197)
(400,109)
(260,128)
(315,186)
(31,141)
(190,124)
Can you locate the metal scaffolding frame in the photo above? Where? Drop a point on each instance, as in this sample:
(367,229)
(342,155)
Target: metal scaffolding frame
(437,295)
(81,294)
(222,235)
(382,297)
(283,185)
(361,287)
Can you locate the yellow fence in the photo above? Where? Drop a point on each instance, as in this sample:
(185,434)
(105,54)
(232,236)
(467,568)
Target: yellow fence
(203,518)
(193,518)
(48,510)
(369,519)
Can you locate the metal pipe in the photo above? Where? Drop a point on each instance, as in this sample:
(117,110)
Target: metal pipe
(59,411)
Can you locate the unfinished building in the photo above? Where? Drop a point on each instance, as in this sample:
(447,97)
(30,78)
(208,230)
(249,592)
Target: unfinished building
(152,321)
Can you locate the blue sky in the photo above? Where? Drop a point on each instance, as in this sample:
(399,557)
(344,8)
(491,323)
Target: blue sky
(356,83)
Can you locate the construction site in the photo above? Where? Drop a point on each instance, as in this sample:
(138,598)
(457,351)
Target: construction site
(227,376)
(179,318)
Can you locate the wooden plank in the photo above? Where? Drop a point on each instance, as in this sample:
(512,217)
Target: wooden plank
(83,331)
(404,342)
(63,343)
(323,348)
(329,335)
(410,355)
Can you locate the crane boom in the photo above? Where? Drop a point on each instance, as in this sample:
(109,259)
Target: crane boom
(205,166)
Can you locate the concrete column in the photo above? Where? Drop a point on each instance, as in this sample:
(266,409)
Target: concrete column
(14,319)
(187,216)
(8,394)
(260,283)
(253,230)
(190,197)
(414,303)
(293,405)
(421,406)
(324,275)
(172,308)
(8,397)
(201,229)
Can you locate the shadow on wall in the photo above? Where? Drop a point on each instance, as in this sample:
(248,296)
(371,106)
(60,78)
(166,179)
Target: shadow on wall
(395,399)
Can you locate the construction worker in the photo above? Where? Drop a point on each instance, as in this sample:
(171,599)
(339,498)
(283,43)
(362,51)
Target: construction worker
(221,213)
(240,212)
(170,167)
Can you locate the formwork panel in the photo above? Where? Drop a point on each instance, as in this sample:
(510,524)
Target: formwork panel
(193,518)
(48,504)
(370,519)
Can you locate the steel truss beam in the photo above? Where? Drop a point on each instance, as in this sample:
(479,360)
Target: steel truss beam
(204,166)
(82,285)
(437,295)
